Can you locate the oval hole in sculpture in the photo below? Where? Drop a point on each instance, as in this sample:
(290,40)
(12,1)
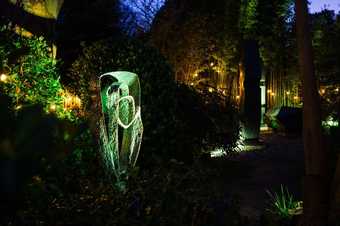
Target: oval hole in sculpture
(126,111)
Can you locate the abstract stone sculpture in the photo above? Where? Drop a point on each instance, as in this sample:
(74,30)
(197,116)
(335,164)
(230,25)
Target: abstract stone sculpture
(121,127)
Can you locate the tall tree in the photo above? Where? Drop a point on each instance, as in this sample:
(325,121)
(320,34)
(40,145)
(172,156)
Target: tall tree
(277,40)
(197,36)
(251,63)
(325,46)
(315,180)
(252,91)
(144,11)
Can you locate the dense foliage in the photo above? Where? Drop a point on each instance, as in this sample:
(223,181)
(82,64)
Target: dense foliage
(171,195)
(167,131)
(62,181)
(193,34)
(157,84)
(31,74)
(51,170)
(326,33)
(31,144)
(205,115)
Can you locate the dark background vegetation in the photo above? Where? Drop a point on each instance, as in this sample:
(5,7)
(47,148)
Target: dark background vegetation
(51,169)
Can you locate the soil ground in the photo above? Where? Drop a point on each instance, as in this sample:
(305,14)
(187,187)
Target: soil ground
(280,162)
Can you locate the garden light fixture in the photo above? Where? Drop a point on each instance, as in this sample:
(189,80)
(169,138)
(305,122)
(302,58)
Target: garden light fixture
(3,77)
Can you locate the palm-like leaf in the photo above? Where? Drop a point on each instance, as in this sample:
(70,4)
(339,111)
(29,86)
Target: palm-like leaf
(283,203)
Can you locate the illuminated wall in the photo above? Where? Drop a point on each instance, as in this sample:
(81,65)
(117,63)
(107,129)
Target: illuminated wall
(46,9)
(42,8)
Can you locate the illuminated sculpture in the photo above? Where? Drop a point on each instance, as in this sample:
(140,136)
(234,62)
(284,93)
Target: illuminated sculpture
(121,127)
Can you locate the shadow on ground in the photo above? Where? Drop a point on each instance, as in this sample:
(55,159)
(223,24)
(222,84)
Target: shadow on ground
(249,174)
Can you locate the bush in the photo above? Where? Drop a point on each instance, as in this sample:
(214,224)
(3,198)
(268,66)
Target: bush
(157,85)
(206,121)
(31,134)
(177,121)
(30,142)
(40,149)
(31,72)
(174,194)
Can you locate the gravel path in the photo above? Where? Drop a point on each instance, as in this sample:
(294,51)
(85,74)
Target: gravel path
(280,162)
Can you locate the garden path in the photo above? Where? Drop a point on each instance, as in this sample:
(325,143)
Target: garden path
(280,162)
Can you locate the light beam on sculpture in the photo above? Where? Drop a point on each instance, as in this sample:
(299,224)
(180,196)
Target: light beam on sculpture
(121,127)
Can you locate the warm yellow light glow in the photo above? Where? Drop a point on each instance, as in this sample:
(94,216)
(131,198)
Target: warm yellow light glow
(53,107)
(3,77)
(272,94)
(296,97)
(192,84)
(18,107)
(287,92)
(269,91)
(71,101)
(322,91)
(237,97)
(211,90)
(212,64)
(47,9)
(22,31)
(337,90)
(195,75)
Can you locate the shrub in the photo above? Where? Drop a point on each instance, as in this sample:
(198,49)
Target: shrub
(177,121)
(283,204)
(31,73)
(173,194)
(157,85)
(206,121)
(30,142)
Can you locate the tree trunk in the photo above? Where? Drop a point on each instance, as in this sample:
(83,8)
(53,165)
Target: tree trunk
(316,180)
(335,195)
(252,91)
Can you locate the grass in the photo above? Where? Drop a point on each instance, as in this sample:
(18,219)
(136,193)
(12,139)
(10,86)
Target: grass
(283,203)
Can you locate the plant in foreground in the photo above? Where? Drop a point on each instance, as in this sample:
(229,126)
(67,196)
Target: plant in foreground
(283,203)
